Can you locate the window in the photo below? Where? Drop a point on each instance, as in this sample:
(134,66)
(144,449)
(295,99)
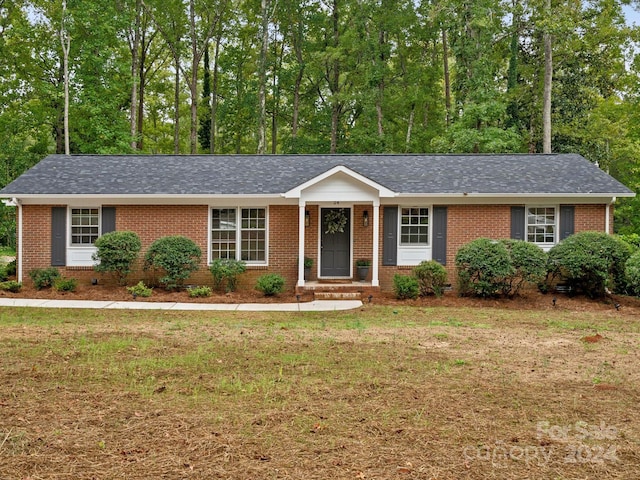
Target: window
(223,233)
(541,225)
(414,226)
(85,226)
(249,225)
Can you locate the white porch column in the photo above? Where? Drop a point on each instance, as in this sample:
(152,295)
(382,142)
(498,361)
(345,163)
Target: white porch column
(301,210)
(375,282)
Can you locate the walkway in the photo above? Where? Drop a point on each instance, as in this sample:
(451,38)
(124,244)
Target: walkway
(315,306)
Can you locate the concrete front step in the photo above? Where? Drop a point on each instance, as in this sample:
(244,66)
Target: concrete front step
(337,295)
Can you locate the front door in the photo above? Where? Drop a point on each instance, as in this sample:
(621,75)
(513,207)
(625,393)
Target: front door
(335,246)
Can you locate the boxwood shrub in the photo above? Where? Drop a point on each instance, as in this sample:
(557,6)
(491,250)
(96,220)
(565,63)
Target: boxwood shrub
(176,256)
(484,268)
(116,253)
(590,263)
(432,277)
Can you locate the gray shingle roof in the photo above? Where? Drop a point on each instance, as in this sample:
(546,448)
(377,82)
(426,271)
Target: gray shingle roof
(276,174)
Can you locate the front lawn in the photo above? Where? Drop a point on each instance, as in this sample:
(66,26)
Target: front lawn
(381,392)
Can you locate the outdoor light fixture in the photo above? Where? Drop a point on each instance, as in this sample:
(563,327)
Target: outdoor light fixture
(365,218)
(307,218)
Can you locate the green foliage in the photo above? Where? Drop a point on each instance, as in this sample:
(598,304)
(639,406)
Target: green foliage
(405,287)
(11,286)
(140,290)
(117,252)
(529,263)
(632,272)
(483,268)
(65,284)
(225,272)
(590,262)
(202,291)
(632,239)
(10,268)
(432,277)
(4,274)
(44,277)
(363,262)
(177,256)
(308,262)
(270,284)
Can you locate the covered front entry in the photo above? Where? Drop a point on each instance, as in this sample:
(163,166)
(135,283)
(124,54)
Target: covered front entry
(335,246)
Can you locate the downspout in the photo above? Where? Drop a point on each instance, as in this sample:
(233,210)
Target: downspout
(607,225)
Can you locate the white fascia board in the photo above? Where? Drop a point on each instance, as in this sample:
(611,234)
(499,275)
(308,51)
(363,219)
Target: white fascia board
(297,191)
(517,195)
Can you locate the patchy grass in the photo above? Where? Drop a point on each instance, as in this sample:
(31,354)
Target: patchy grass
(379,392)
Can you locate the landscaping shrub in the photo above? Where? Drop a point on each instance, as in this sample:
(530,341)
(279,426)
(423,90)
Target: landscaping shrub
(4,274)
(483,268)
(11,286)
(270,284)
(65,284)
(432,277)
(44,277)
(10,268)
(177,256)
(140,290)
(529,262)
(590,262)
(203,291)
(632,239)
(632,271)
(117,252)
(225,273)
(405,286)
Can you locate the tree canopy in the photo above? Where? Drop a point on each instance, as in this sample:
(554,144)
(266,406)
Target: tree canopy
(316,76)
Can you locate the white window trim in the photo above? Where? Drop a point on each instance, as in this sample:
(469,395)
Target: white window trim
(238,209)
(70,226)
(411,255)
(556,225)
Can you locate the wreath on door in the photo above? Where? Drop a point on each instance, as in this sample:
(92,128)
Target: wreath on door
(335,220)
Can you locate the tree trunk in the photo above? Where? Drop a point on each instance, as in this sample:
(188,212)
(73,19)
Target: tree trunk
(410,127)
(262,78)
(297,40)
(135,58)
(447,78)
(193,84)
(335,82)
(548,78)
(176,106)
(214,96)
(65,41)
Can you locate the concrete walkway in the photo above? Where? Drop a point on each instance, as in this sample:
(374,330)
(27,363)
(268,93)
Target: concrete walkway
(315,306)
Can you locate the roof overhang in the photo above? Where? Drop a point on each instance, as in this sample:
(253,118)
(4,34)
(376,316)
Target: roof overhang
(297,192)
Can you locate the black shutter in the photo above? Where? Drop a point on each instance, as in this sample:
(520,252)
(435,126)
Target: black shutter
(108,219)
(390,236)
(58,236)
(440,234)
(567,221)
(517,223)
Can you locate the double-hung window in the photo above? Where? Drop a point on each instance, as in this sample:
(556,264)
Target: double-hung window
(239,233)
(85,226)
(541,225)
(414,226)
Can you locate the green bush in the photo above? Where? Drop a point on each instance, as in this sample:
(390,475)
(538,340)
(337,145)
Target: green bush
(117,252)
(270,284)
(483,268)
(4,274)
(225,273)
(529,262)
(11,286)
(44,277)
(632,271)
(432,277)
(405,286)
(203,291)
(632,239)
(140,290)
(11,267)
(65,284)
(177,256)
(590,263)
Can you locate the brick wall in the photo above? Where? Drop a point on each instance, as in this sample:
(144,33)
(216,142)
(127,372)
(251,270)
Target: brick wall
(464,224)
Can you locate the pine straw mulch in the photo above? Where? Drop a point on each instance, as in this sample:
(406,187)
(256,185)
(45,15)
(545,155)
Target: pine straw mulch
(502,389)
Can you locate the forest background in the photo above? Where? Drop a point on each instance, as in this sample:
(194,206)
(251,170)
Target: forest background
(319,76)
